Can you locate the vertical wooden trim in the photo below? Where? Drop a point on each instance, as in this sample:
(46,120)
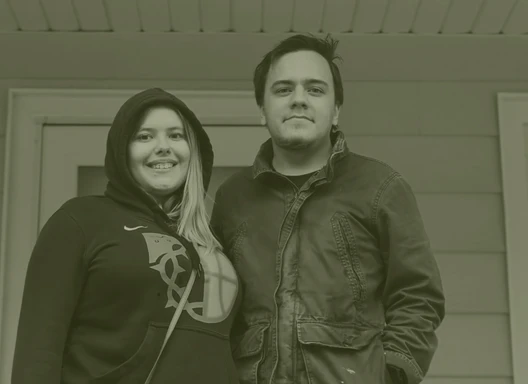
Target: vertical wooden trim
(513,114)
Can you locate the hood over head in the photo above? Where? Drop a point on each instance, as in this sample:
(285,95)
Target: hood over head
(121,185)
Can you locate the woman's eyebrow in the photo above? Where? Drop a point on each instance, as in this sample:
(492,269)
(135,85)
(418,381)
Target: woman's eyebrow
(149,128)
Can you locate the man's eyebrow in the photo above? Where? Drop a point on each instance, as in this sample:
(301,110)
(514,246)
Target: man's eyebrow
(306,81)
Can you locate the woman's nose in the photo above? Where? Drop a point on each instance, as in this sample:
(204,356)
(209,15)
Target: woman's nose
(162,145)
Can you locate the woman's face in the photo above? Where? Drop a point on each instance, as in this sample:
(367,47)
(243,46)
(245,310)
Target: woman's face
(159,154)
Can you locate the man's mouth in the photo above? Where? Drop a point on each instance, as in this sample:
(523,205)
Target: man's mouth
(298,117)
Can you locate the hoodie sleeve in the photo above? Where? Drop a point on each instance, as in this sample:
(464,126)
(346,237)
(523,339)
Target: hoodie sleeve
(413,295)
(52,286)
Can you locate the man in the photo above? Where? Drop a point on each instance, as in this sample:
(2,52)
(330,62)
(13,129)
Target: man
(340,284)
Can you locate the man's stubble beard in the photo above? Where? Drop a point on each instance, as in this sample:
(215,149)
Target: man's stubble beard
(293,142)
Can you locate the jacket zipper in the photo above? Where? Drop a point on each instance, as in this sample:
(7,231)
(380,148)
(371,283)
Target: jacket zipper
(297,193)
(281,254)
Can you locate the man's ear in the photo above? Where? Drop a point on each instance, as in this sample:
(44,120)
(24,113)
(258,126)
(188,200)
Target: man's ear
(335,120)
(262,116)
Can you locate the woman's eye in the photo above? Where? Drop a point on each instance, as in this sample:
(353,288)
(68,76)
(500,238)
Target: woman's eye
(143,137)
(177,136)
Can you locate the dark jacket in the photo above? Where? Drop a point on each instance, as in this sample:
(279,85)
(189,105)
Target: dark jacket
(106,276)
(339,278)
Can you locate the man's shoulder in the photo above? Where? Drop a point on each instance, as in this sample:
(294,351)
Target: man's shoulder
(237,180)
(375,176)
(373,169)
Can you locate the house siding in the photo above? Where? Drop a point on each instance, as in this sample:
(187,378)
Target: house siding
(443,137)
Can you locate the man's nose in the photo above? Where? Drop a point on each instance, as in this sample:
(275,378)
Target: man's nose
(298,98)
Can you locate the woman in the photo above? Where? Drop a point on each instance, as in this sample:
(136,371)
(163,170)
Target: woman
(107,272)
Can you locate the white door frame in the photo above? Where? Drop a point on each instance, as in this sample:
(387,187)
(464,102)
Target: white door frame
(513,119)
(29,110)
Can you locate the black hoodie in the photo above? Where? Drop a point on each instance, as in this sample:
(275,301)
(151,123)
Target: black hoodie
(106,275)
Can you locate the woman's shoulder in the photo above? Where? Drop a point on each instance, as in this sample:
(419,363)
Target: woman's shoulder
(89,208)
(86,203)
(89,213)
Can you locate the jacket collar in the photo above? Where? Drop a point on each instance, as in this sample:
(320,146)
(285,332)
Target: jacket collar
(263,160)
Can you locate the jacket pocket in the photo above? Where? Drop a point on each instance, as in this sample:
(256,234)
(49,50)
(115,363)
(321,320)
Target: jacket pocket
(341,353)
(348,255)
(250,352)
(136,368)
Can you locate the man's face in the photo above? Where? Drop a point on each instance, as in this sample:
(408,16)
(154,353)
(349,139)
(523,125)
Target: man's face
(299,102)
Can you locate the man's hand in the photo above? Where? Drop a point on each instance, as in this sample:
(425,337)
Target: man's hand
(396,374)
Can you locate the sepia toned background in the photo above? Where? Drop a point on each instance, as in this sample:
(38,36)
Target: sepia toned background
(420,79)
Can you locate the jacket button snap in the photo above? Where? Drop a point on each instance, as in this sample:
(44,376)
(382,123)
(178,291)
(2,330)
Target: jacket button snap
(348,339)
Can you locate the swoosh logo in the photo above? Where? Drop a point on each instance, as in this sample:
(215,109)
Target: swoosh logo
(134,228)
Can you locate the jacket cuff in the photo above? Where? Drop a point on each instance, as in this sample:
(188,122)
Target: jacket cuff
(412,371)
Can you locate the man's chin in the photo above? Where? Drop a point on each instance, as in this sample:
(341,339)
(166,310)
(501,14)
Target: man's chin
(293,143)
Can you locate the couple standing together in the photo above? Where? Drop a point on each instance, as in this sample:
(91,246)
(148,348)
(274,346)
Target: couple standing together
(314,268)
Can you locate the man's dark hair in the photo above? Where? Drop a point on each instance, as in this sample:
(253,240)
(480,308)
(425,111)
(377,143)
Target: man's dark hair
(325,47)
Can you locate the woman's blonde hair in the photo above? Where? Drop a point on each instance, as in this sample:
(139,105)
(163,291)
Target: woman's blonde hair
(186,208)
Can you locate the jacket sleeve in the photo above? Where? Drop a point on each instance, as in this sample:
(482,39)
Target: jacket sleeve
(217,224)
(216,218)
(52,286)
(413,295)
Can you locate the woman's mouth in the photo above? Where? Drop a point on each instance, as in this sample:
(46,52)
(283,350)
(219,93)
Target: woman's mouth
(162,166)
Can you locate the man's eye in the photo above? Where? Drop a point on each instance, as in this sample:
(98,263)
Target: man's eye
(316,90)
(282,90)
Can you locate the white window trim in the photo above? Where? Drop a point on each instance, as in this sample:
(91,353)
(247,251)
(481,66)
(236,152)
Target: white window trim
(513,115)
(28,111)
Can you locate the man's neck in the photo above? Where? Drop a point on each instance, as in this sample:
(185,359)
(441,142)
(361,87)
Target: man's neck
(300,162)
